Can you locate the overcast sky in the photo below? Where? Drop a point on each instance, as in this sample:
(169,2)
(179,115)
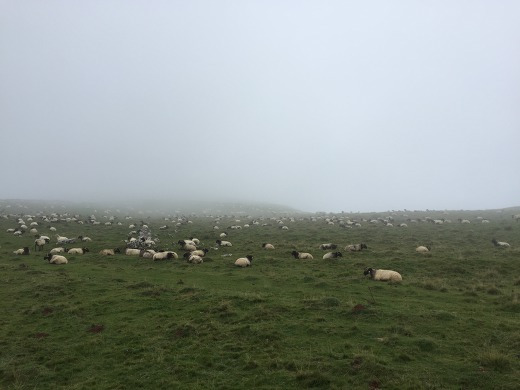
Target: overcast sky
(318,105)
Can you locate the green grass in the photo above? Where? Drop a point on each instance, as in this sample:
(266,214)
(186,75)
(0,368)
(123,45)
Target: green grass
(124,322)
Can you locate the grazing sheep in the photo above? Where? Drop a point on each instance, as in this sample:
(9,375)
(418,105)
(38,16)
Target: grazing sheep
(356,247)
(56,259)
(302,255)
(132,252)
(23,251)
(54,251)
(244,261)
(39,243)
(328,246)
(223,243)
(383,275)
(77,251)
(500,244)
(165,255)
(267,246)
(423,249)
(109,252)
(332,255)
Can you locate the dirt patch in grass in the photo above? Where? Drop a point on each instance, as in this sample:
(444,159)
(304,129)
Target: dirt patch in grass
(96,328)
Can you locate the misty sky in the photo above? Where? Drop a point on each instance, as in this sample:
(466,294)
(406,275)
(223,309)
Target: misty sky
(318,105)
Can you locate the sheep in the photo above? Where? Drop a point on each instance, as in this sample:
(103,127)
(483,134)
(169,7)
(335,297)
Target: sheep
(223,243)
(222,235)
(423,249)
(23,251)
(383,275)
(516,217)
(500,244)
(132,252)
(109,252)
(186,242)
(244,261)
(77,251)
(52,229)
(165,255)
(356,247)
(56,259)
(302,255)
(195,240)
(328,246)
(332,255)
(195,259)
(39,243)
(147,253)
(84,239)
(463,220)
(64,240)
(199,252)
(54,251)
(267,246)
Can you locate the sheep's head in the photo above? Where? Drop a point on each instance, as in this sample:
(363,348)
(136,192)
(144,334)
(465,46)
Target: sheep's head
(338,254)
(295,254)
(333,246)
(363,246)
(117,250)
(85,250)
(368,271)
(249,257)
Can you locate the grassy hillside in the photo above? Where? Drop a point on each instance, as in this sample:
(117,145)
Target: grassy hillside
(125,322)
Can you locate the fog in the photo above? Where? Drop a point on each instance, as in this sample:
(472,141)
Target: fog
(317,105)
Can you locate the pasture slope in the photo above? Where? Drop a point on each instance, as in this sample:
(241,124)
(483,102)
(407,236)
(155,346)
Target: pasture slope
(123,322)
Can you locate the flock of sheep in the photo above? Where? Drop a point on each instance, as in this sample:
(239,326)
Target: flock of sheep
(145,246)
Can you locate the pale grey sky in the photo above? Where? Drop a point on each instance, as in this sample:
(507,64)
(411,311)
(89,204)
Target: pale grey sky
(318,105)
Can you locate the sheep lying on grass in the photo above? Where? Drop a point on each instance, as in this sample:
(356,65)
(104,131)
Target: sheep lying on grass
(109,252)
(23,251)
(55,251)
(223,243)
(244,261)
(328,246)
(356,247)
(500,244)
(56,259)
(383,275)
(132,252)
(77,251)
(191,258)
(332,255)
(301,255)
(423,249)
(267,246)
(165,255)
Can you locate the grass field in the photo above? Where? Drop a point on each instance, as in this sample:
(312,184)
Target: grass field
(124,322)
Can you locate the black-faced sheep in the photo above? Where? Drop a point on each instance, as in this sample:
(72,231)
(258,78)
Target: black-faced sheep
(132,252)
(77,251)
(328,246)
(223,243)
(199,252)
(195,259)
(165,255)
(244,261)
(500,244)
(56,259)
(356,247)
(109,252)
(267,246)
(39,243)
(332,255)
(23,251)
(383,275)
(302,255)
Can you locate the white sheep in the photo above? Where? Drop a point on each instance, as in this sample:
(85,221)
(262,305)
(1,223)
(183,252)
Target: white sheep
(332,255)
(85,239)
(383,275)
(199,252)
(302,255)
(54,251)
(109,252)
(356,247)
(23,251)
(500,244)
(328,246)
(196,241)
(56,259)
(39,243)
(423,249)
(223,243)
(147,253)
(222,235)
(267,246)
(165,255)
(195,259)
(77,251)
(132,252)
(244,261)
